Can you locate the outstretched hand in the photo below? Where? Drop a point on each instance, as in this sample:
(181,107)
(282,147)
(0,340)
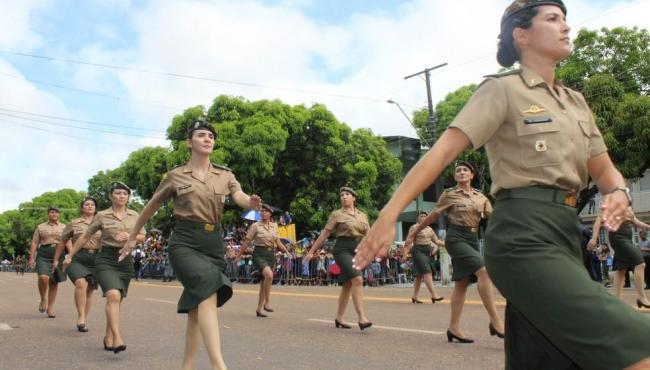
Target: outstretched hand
(255,202)
(126,249)
(376,243)
(614,208)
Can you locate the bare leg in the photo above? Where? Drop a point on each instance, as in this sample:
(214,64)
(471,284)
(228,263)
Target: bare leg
(486,291)
(209,328)
(260,296)
(457,303)
(89,299)
(639,282)
(192,339)
(53,288)
(641,365)
(268,283)
(619,280)
(428,282)
(80,291)
(344,297)
(416,286)
(357,298)
(113,300)
(43,281)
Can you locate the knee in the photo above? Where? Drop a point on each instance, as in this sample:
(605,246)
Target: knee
(268,275)
(113,296)
(43,279)
(81,283)
(356,281)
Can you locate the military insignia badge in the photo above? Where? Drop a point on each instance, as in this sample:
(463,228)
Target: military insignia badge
(534,110)
(540,145)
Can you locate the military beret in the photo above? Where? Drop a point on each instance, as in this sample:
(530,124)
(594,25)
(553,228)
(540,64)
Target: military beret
(53,208)
(348,189)
(200,124)
(519,6)
(120,185)
(267,207)
(466,164)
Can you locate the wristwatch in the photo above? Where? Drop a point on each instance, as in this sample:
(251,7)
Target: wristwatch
(626,191)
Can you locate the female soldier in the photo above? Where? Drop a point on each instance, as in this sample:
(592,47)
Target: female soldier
(264,235)
(112,275)
(350,225)
(426,245)
(626,255)
(196,249)
(46,237)
(543,144)
(81,269)
(465,207)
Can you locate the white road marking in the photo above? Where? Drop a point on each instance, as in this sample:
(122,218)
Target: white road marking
(389,328)
(159,300)
(4,326)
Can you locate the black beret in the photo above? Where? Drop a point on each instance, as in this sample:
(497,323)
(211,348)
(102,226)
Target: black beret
(348,189)
(53,208)
(120,185)
(200,124)
(519,6)
(466,164)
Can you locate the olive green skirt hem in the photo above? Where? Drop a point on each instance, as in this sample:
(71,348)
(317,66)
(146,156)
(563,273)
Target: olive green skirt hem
(111,274)
(263,257)
(343,254)
(462,246)
(83,266)
(44,261)
(421,259)
(626,255)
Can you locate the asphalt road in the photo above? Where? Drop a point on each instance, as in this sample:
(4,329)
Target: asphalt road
(300,334)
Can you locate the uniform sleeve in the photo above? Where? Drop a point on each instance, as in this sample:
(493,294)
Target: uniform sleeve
(94,226)
(484,112)
(37,236)
(164,191)
(331,222)
(442,203)
(67,233)
(250,235)
(596,142)
(233,185)
(488,207)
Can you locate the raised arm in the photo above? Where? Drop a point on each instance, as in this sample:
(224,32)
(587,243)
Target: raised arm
(318,243)
(594,235)
(135,236)
(640,224)
(281,246)
(75,248)
(246,201)
(607,178)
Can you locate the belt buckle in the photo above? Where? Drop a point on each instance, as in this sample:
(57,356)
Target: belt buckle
(473,229)
(208,227)
(570,199)
(91,251)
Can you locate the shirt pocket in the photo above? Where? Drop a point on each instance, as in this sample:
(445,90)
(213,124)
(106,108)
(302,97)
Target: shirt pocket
(540,141)
(584,139)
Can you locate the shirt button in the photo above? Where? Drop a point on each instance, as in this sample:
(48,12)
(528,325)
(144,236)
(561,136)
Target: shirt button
(564,111)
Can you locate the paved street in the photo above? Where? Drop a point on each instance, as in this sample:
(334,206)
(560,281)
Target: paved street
(300,334)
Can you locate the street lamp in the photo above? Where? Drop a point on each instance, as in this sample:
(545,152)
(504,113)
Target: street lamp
(391,101)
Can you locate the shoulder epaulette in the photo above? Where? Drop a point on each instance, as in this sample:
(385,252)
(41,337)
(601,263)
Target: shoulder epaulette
(506,73)
(177,166)
(449,189)
(221,167)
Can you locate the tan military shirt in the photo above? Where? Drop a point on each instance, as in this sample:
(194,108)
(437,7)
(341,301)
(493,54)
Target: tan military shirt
(348,225)
(263,234)
(424,237)
(47,233)
(76,228)
(110,226)
(533,135)
(196,199)
(465,209)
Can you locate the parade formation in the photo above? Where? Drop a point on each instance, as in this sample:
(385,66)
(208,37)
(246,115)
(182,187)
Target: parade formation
(543,146)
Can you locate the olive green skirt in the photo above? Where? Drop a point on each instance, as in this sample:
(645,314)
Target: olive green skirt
(421,259)
(263,257)
(556,316)
(111,274)
(462,246)
(343,254)
(197,256)
(44,259)
(82,266)
(626,255)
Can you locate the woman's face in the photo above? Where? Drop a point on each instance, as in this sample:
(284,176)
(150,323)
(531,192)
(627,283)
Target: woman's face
(266,214)
(347,199)
(88,208)
(421,217)
(201,142)
(119,197)
(463,175)
(53,216)
(548,35)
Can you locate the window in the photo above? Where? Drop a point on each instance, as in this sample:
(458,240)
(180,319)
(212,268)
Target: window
(644,182)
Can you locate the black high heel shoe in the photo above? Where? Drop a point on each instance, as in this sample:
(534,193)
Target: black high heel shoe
(259,314)
(268,309)
(641,304)
(341,325)
(434,300)
(364,325)
(451,336)
(494,331)
(41,309)
(107,348)
(413,300)
(49,316)
(82,328)
(119,348)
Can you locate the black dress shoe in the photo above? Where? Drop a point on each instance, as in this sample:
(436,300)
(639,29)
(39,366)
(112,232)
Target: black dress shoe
(50,316)
(641,304)
(494,331)
(364,325)
(268,309)
(413,300)
(341,325)
(259,314)
(41,309)
(434,300)
(82,328)
(107,348)
(451,336)
(119,348)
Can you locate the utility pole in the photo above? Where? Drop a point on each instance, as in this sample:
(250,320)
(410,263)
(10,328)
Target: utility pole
(434,138)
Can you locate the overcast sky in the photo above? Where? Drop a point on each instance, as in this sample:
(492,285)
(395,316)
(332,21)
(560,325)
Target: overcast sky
(61,122)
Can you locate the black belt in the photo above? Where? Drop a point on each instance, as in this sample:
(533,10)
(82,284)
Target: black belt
(47,245)
(207,227)
(350,237)
(565,197)
(471,229)
(89,251)
(264,247)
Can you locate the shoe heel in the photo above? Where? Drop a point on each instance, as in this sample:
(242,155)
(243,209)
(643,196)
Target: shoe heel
(364,325)
(341,325)
(259,314)
(450,337)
